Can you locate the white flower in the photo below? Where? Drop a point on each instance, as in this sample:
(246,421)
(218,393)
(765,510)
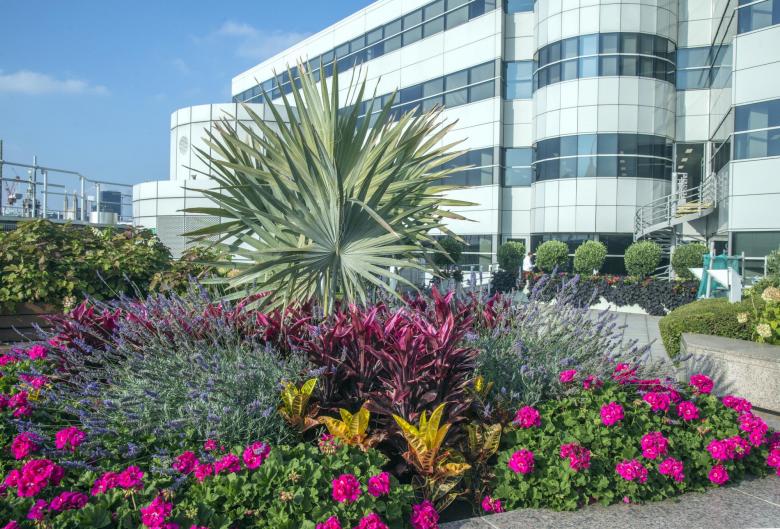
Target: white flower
(742,317)
(764,330)
(771,294)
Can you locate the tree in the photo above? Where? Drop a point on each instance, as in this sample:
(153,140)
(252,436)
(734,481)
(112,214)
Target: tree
(688,256)
(642,258)
(589,257)
(551,255)
(510,256)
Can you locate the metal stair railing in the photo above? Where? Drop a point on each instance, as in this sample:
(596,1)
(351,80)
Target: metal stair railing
(676,207)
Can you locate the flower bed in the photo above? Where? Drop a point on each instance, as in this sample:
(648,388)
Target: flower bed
(155,457)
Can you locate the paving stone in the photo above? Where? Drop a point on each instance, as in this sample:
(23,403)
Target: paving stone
(752,503)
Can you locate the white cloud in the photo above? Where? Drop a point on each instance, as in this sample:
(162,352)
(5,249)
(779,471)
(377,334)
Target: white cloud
(34,83)
(181,66)
(258,44)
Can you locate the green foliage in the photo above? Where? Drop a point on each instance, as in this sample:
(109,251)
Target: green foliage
(642,258)
(510,256)
(773,263)
(552,254)
(707,316)
(688,256)
(503,281)
(322,203)
(589,257)
(768,317)
(452,252)
(196,263)
(576,419)
(48,263)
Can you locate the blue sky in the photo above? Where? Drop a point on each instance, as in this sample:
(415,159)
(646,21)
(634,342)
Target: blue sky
(89,85)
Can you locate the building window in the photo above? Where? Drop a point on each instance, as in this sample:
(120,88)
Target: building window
(605,54)
(757,130)
(480,165)
(693,68)
(429,20)
(518,79)
(614,155)
(519,6)
(517,166)
(757,15)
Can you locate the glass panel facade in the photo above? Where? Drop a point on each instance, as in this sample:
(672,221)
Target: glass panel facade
(519,6)
(757,15)
(757,130)
(517,166)
(518,79)
(480,169)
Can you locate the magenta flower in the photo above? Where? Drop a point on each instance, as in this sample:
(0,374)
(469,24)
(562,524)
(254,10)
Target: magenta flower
(328,444)
(38,510)
(36,475)
(721,450)
(623,373)
(567,376)
(210,445)
(591,382)
(491,505)
(130,478)
(186,462)
(154,514)
(701,383)
(255,455)
(69,438)
(654,444)
(611,413)
(228,464)
(521,462)
(527,417)
(372,521)
(737,404)
(632,470)
(657,400)
(331,523)
(673,468)
(379,485)
(203,471)
(579,456)
(718,475)
(36,352)
(67,501)
(12,525)
(346,488)
(755,427)
(424,516)
(23,445)
(773,459)
(104,483)
(688,411)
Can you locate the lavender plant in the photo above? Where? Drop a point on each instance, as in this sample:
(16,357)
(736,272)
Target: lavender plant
(524,355)
(178,370)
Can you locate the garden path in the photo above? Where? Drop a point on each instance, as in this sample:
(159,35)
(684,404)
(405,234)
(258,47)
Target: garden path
(644,329)
(753,503)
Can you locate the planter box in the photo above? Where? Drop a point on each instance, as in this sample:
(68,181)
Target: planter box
(20,324)
(739,367)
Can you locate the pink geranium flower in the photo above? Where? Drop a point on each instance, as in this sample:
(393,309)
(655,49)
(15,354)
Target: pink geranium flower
(185,462)
(424,516)
(718,475)
(36,352)
(346,488)
(632,470)
(379,485)
(654,444)
(331,523)
(255,454)
(130,478)
(228,464)
(104,483)
(491,505)
(658,401)
(38,510)
(579,456)
(701,383)
(372,521)
(611,413)
(567,376)
(521,462)
(23,445)
(736,403)
(67,501)
(69,438)
(154,514)
(673,468)
(203,471)
(527,417)
(688,411)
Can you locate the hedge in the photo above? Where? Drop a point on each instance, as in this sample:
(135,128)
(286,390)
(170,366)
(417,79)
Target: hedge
(510,256)
(688,256)
(642,258)
(551,255)
(589,257)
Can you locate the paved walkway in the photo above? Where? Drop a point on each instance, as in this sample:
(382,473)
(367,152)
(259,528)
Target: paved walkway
(644,329)
(754,503)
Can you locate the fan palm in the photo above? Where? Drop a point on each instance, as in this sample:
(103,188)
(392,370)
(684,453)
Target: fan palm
(326,202)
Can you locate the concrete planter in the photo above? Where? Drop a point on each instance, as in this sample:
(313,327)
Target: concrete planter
(747,369)
(19,323)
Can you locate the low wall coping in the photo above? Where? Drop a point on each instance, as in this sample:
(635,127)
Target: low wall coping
(731,346)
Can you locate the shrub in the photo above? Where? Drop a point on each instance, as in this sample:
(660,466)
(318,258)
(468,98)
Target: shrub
(606,444)
(503,281)
(589,257)
(688,256)
(706,316)
(768,318)
(43,262)
(773,263)
(551,255)
(196,263)
(453,249)
(535,341)
(642,258)
(510,256)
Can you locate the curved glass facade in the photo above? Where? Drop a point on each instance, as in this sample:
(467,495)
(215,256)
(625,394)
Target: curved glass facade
(605,54)
(612,155)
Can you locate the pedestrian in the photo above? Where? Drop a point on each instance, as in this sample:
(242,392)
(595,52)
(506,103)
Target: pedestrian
(528,266)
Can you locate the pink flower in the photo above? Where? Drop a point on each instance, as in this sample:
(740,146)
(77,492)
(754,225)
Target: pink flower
(255,454)
(34,382)
(702,383)
(346,488)
(203,471)
(424,516)
(611,413)
(718,475)
(672,467)
(567,376)
(69,438)
(755,427)
(631,470)
(23,445)
(67,500)
(623,373)
(328,444)
(736,403)
(331,523)
(229,464)
(7,359)
(521,462)
(721,450)
(773,459)
(372,521)
(210,445)
(38,510)
(186,462)
(154,514)
(526,417)
(36,352)
(654,444)
(130,478)
(37,475)
(105,483)
(379,485)
(18,400)
(12,525)
(491,505)
(22,411)
(591,382)
(657,400)
(688,411)
(579,456)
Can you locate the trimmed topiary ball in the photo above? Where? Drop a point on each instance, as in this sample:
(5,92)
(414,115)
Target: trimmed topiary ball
(589,257)
(642,258)
(510,256)
(688,256)
(453,248)
(552,254)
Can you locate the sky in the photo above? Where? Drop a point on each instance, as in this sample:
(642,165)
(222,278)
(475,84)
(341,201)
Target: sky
(89,85)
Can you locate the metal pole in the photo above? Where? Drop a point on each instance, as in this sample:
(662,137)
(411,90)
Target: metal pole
(45,193)
(97,203)
(33,180)
(83,200)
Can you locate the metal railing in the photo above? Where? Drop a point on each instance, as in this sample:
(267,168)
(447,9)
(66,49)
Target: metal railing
(680,205)
(37,191)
